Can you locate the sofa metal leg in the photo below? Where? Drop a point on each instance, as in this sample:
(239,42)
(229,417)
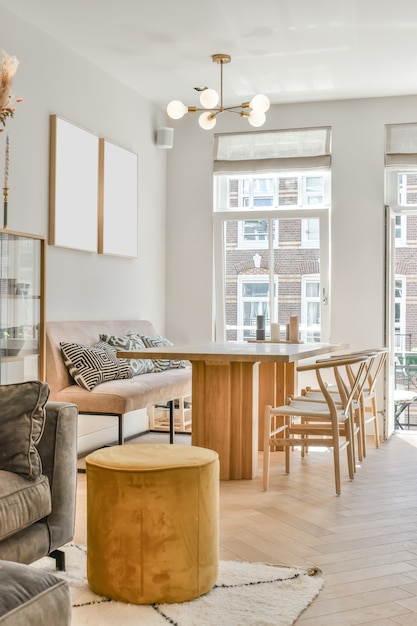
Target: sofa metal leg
(59,557)
(171,421)
(121,433)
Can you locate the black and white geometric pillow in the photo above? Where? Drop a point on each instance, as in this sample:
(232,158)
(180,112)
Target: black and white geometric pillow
(158,342)
(91,365)
(138,366)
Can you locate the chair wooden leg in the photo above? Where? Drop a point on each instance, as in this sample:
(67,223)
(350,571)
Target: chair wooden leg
(267,450)
(350,451)
(376,424)
(359,439)
(288,448)
(363,423)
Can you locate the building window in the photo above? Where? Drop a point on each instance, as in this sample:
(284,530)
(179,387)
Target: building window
(255,233)
(310,308)
(400,314)
(310,233)
(253,300)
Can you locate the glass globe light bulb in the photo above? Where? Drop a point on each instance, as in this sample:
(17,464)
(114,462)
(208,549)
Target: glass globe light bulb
(209,98)
(260,103)
(206,122)
(256,118)
(176,109)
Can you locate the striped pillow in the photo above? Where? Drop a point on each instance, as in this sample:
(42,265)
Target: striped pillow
(157,342)
(138,366)
(91,365)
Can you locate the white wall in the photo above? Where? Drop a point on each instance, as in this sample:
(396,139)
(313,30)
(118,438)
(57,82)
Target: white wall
(357,219)
(54,80)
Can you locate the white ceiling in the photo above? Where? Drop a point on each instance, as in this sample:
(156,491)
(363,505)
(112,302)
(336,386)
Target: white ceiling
(291,50)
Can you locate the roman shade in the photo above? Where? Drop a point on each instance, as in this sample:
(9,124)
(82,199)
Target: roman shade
(401,145)
(291,149)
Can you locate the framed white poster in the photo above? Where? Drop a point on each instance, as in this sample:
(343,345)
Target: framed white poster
(73,186)
(118,200)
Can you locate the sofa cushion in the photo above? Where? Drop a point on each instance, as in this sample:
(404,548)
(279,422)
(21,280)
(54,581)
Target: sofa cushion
(91,365)
(157,342)
(31,596)
(22,502)
(128,342)
(22,418)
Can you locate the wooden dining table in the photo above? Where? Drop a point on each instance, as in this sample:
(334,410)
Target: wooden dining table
(232,382)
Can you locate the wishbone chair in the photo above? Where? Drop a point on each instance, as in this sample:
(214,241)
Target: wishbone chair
(305,424)
(365,395)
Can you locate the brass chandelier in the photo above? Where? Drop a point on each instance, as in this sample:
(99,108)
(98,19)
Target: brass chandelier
(212,104)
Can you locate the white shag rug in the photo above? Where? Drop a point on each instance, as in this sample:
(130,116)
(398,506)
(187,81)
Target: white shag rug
(244,594)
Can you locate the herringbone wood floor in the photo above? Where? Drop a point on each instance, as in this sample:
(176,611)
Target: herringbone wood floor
(365,541)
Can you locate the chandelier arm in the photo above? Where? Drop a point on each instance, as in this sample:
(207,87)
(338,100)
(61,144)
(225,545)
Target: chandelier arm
(197,109)
(236,106)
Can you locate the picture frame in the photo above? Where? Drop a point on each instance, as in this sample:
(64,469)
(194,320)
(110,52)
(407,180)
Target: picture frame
(118,200)
(73,193)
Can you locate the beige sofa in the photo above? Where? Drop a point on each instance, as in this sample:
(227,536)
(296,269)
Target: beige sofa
(116,397)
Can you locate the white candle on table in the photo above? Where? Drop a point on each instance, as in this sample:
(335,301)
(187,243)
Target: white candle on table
(274,332)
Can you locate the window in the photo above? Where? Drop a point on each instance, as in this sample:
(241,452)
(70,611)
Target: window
(269,192)
(271,231)
(273,191)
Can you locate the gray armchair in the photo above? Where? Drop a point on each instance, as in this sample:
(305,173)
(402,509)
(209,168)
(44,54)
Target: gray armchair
(38,478)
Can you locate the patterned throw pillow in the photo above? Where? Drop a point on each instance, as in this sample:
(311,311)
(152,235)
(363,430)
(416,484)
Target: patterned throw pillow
(22,418)
(157,342)
(91,365)
(138,366)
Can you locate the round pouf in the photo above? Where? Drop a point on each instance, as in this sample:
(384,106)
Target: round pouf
(152,522)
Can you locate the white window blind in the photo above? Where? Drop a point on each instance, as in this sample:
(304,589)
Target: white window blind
(401,145)
(300,148)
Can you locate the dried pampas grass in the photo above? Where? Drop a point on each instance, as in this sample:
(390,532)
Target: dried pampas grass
(8,69)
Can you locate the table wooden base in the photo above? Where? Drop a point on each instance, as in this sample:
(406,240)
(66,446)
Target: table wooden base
(229,399)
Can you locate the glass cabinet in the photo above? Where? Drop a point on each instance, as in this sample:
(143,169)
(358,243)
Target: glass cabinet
(22,313)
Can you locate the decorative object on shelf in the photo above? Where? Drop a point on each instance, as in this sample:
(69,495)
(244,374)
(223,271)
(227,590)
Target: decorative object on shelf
(260,327)
(8,69)
(254,110)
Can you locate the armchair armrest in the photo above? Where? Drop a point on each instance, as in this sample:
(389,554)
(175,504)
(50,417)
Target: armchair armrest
(58,451)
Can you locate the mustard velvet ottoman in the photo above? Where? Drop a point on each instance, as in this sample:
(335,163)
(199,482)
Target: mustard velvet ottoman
(152,522)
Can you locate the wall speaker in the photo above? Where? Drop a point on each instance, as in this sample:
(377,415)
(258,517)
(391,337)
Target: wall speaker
(165,137)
